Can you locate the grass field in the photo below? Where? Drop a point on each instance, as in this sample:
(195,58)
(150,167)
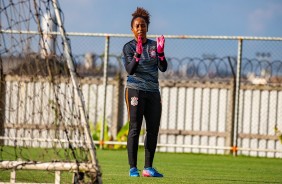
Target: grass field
(177,168)
(193,168)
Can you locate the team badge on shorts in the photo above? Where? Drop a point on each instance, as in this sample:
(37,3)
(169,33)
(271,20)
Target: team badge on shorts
(134,101)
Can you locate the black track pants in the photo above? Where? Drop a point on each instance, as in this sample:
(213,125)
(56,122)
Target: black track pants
(139,104)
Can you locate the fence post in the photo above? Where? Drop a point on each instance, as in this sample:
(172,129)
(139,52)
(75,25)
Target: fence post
(105,82)
(2,102)
(117,106)
(237,98)
(230,115)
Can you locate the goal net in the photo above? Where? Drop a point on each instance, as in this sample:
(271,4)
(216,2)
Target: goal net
(44,131)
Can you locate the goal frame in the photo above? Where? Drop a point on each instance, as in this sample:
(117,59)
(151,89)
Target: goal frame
(92,166)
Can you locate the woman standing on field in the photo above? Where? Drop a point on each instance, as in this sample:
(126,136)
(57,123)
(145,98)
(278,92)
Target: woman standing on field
(143,58)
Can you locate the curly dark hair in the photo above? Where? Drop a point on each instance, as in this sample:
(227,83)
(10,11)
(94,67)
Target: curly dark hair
(141,12)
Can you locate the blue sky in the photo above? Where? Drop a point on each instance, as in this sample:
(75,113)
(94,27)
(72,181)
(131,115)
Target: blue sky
(177,17)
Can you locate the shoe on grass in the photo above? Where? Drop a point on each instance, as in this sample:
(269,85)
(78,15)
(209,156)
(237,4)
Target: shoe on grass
(151,172)
(134,172)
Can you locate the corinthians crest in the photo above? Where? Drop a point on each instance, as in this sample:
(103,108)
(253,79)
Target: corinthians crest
(152,52)
(134,101)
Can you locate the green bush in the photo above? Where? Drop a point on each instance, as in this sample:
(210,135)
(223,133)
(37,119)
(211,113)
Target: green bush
(278,133)
(121,135)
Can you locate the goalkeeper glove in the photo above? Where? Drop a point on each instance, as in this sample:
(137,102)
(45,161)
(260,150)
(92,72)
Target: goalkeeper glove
(160,47)
(139,49)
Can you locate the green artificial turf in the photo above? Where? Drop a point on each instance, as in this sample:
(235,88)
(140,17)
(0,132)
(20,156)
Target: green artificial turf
(176,167)
(193,168)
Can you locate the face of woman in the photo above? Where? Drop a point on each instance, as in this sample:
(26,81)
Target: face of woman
(139,28)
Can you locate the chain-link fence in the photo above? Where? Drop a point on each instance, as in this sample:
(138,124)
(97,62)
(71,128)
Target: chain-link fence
(219,94)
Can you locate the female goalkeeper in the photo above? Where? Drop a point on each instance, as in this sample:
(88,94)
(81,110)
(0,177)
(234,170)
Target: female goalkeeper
(142,58)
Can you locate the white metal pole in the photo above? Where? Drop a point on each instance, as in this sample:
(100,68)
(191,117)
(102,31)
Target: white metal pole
(57,177)
(105,81)
(13,176)
(78,93)
(237,97)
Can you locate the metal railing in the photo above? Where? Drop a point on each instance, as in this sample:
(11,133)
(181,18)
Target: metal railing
(211,84)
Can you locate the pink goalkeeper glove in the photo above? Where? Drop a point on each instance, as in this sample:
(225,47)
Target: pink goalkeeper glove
(160,44)
(160,47)
(139,49)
